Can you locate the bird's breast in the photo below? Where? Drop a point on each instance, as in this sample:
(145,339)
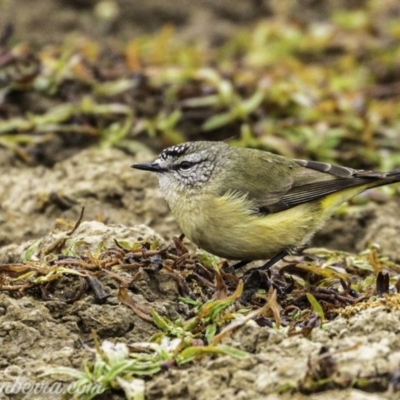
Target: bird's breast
(228,227)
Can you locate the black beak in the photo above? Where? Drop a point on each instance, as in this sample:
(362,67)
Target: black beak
(153,167)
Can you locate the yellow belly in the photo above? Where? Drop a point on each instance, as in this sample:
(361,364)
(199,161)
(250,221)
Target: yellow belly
(225,226)
(228,227)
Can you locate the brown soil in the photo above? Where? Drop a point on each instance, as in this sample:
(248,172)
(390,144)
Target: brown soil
(37,334)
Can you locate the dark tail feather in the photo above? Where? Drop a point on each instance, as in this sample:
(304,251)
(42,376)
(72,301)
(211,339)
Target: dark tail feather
(395,172)
(391,177)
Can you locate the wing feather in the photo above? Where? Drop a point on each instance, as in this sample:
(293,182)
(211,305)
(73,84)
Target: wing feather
(273,183)
(317,180)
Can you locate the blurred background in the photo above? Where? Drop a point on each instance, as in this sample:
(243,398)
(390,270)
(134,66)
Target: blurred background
(310,79)
(200,21)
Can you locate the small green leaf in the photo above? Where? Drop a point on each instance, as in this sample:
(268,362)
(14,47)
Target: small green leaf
(232,351)
(316,307)
(74,373)
(218,121)
(211,330)
(162,322)
(31,250)
(189,301)
(251,104)
(208,259)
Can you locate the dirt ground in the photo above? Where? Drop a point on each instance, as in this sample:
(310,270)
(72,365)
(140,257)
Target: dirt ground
(41,203)
(37,334)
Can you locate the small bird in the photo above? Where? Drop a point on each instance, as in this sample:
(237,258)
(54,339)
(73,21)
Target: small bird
(247,204)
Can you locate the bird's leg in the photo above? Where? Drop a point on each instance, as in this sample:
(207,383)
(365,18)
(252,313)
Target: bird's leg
(267,265)
(232,268)
(264,267)
(240,264)
(274,260)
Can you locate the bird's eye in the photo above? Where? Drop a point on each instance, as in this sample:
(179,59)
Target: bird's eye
(186,165)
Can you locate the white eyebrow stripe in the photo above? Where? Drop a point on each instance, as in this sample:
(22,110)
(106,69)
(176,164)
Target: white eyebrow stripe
(174,151)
